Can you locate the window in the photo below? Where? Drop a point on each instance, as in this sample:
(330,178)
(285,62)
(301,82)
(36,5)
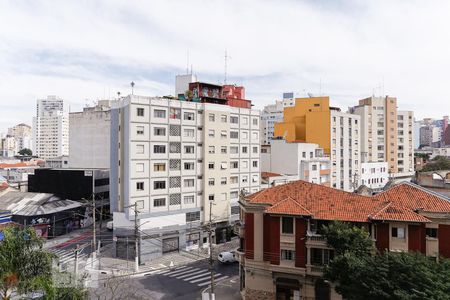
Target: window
(189,116)
(140,186)
(235,194)
(158,202)
(314,167)
(159,149)
(223,180)
(188,182)
(287,225)
(189,149)
(193,216)
(139,149)
(211,166)
(223,149)
(244,149)
(287,255)
(139,167)
(211,117)
(245,121)
(140,112)
(254,135)
(159,185)
(234,149)
(255,149)
(223,134)
(223,165)
(255,121)
(245,135)
(175,147)
(159,113)
(175,164)
(140,204)
(189,166)
(189,199)
(244,178)
(211,150)
(234,135)
(139,129)
(211,133)
(211,197)
(255,164)
(223,118)
(245,164)
(320,257)
(159,167)
(234,120)
(175,113)
(159,131)
(398,232)
(431,232)
(211,181)
(175,199)
(234,165)
(188,132)
(235,210)
(234,179)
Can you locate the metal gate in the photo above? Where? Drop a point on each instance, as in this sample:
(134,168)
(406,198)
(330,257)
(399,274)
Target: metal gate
(170,244)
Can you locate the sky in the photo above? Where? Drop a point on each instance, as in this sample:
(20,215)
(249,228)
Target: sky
(84,51)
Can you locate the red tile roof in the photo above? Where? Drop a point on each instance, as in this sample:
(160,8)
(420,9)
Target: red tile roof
(270,174)
(415,197)
(324,203)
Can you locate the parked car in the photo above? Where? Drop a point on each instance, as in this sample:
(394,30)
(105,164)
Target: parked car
(110,225)
(227,257)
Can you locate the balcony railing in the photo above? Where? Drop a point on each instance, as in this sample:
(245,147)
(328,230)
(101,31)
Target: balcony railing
(317,238)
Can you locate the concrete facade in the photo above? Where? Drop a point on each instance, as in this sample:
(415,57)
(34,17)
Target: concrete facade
(374,175)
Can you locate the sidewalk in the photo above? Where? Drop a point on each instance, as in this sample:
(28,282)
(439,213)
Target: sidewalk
(226,289)
(71,237)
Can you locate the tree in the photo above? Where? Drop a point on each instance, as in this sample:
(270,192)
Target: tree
(344,238)
(24,266)
(437,163)
(26,152)
(362,274)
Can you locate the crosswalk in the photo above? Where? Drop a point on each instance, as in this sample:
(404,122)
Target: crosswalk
(67,256)
(199,276)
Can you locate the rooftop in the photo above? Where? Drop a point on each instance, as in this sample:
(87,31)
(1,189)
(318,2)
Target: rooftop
(402,202)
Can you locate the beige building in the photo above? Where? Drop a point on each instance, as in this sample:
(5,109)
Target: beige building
(386,134)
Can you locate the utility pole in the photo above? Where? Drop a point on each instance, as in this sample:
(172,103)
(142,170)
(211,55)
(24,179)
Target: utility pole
(76,262)
(211,262)
(136,239)
(94,241)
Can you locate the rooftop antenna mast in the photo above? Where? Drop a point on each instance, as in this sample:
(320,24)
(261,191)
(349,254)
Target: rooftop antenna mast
(187,63)
(226,66)
(132,88)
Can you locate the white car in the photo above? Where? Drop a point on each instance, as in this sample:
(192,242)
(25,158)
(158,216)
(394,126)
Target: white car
(110,225)
(227,257)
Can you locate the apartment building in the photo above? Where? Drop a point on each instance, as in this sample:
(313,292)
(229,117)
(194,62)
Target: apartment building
(181,163)
(22,134)
(312,120)
(306,161)
(272,114)
(51,128)
(282,252)
(386,134)
(89,136)
(374,175)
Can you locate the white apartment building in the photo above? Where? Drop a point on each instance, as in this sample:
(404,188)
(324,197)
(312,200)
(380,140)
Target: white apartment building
(386,134)
(173,159)
(304,161)
(51,128)
(430,135)
(272,114)
(8,146)
(374,175)
(345,150)
(89,136)
(22,134)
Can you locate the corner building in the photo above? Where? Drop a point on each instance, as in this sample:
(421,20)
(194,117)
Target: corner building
(175,159)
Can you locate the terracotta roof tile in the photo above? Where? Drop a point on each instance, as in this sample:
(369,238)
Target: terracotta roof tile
(415,197)
(325,203)
(270,174)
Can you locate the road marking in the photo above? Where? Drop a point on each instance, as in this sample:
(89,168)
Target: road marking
(179,272)
(183,272)
(187,275)
(161,272)
(204,273)
(206,283)
(164,266)
(201,279)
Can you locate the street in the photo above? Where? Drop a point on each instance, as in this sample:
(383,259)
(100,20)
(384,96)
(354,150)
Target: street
(184,282)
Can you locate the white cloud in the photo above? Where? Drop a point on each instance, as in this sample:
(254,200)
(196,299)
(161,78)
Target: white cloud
(85,49)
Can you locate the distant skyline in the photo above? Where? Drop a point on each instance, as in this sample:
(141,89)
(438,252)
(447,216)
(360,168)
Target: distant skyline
(344,49)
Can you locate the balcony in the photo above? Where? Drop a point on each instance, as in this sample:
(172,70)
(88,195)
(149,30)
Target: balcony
(315,240)
(315,270)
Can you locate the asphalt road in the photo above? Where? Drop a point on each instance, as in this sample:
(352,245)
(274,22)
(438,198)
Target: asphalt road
(185,282)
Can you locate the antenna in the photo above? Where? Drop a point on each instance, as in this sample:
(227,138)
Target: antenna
(226,66)
(187,63)
(132,87)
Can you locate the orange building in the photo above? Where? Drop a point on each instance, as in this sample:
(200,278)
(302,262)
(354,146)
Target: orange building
(308,121)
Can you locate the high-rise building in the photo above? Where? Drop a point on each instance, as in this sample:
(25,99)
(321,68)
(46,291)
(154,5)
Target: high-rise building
(89,136)
(386,134)
(312,120)
(272,114)
(51,128)
(22,134)
(182,163)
